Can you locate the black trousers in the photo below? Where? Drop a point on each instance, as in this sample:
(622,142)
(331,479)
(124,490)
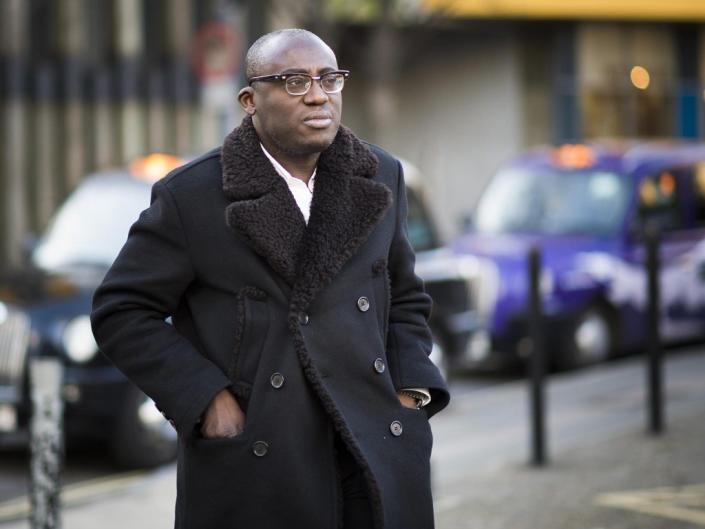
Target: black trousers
(357,512)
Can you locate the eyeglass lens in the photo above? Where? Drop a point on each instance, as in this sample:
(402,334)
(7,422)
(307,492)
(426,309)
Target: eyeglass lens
(300,84)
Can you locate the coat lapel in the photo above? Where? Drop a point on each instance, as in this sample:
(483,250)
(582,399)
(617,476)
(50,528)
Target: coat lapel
(262,208)
(346,206)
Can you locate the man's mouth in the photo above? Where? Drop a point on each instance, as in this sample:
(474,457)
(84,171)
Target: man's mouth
(318,120)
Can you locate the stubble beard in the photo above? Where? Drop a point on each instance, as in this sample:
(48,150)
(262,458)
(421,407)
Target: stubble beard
(303,150)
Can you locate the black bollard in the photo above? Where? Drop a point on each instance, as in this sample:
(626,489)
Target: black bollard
(537,361)
(655,368)
(46,376)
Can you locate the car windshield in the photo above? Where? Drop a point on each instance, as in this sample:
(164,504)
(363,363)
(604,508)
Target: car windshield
(553,202)
(92,225)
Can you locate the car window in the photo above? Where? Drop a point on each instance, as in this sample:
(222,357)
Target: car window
(92,225)
(659,201)
(422,235)
(589,202)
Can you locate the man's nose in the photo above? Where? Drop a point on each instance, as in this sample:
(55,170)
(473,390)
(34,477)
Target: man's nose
(315,94)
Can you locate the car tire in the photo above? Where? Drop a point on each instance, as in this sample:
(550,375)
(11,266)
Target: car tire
(142,436)
(590,339)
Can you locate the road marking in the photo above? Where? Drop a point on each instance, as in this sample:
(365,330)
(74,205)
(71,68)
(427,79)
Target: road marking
(75,494)
(686,503)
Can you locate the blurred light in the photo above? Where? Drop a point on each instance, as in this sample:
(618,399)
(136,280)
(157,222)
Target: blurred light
(574,156)
(8,418)
(667,184)
(72,393)
(78,340)
(648,193)
(700,180)
(640,77)
(155,166)
(480,345)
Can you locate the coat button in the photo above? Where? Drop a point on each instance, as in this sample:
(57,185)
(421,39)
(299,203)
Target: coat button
(396,428)
(259,448)
(363,304)
(303,318)
(379,365)
(277,380)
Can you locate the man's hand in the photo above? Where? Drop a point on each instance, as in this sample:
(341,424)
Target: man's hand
(223,417)
(407,401)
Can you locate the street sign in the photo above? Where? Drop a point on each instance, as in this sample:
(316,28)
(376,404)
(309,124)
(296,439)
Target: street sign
(217,52)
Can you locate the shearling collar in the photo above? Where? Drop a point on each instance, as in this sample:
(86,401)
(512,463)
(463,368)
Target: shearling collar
(347,204)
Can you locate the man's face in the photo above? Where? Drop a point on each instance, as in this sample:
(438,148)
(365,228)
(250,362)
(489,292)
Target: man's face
(295,126)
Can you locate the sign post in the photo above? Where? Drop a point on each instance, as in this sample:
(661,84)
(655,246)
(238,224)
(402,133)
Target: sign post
(46,442)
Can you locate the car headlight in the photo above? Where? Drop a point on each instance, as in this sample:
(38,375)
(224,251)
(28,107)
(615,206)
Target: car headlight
(79,344)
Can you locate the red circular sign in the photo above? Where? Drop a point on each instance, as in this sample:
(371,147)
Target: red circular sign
(216,52)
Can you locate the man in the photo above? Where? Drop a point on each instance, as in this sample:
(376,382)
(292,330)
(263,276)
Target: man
(299,346)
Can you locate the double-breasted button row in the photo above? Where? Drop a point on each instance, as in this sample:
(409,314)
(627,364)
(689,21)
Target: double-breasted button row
(277,380)
(363,304)
(260,448)
(379,365)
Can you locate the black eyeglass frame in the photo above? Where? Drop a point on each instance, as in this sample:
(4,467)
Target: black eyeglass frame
(284,76)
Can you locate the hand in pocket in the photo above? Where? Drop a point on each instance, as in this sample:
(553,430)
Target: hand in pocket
(223,417)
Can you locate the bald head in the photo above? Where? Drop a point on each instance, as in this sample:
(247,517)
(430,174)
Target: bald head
(264,48)
(294,128)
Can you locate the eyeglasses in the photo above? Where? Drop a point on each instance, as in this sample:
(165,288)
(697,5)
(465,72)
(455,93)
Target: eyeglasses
(298,84)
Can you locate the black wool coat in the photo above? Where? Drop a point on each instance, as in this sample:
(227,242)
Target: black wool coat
(313,327)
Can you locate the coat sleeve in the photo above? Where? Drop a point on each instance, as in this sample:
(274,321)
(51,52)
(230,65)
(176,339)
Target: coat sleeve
(409,337)
(143,288)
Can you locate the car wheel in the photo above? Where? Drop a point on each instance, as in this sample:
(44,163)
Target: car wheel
(142,437)
(591,339)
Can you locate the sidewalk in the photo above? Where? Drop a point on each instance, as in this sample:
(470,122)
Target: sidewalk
(601,458)
(579,489)
(605,472)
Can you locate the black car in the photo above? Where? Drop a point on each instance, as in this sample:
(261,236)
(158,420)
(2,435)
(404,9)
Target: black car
(44,311)
(453,321)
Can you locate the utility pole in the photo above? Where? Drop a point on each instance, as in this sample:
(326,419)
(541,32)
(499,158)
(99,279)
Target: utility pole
(384,59)
(14,31)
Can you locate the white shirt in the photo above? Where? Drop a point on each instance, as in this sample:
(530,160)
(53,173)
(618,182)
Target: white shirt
(303,194)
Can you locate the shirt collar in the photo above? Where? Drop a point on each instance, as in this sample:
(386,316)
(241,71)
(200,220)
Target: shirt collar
(286,175)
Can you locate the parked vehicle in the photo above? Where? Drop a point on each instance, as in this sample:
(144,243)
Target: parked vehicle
(586,207)
(44,311)
(446,279)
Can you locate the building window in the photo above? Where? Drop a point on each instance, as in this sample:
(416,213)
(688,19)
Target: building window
(627,77)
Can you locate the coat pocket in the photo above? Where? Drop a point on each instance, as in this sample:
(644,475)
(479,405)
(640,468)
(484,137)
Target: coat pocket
(251,328)
(217,476)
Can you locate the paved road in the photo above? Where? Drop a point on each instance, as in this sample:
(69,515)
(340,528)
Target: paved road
(481,479)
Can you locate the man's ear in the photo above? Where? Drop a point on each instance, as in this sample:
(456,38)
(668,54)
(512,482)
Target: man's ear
(246,97)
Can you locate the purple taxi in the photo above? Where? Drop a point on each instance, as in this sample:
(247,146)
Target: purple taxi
(585,207)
